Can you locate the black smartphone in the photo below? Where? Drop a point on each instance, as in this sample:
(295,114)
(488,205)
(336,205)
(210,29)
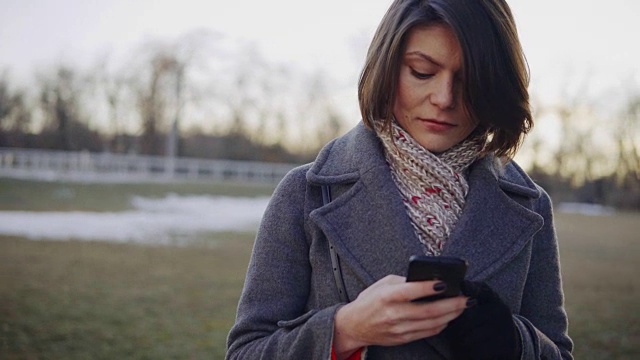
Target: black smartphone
(450,270)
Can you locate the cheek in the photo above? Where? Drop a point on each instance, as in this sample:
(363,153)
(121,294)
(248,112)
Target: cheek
(469,124)
(405,99)
(468,129)
(398,105)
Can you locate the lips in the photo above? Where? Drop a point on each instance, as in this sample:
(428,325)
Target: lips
(434,121)
(437,125)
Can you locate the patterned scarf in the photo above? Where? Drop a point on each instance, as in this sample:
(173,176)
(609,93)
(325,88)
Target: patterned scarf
(433,187)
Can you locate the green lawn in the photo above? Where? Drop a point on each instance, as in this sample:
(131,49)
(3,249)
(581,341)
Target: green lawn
(53,196)
(601,268)
(92,300)
(96,300)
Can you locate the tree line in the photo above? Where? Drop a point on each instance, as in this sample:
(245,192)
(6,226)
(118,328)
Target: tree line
(596,158)
(199,96)
(196,96)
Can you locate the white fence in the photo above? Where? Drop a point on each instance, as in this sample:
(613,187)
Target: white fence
(107,167)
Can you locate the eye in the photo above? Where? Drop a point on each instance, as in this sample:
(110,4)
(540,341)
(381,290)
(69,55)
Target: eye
(420,76)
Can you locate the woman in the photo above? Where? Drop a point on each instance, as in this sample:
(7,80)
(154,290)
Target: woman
(444,102)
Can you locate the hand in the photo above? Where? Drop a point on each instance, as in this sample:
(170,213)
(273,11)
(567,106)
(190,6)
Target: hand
(485,330)
(383,314)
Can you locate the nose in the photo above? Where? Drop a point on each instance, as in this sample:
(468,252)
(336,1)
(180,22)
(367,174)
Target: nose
(443,95)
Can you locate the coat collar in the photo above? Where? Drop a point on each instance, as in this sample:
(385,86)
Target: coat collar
(347,158)
(371,231)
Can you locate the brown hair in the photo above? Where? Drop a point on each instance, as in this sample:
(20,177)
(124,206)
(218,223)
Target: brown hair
(495,72)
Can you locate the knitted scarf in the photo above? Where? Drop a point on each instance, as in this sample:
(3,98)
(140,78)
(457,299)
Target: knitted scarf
(433,187)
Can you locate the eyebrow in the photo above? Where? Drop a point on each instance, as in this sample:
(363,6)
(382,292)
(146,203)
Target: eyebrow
(425,57)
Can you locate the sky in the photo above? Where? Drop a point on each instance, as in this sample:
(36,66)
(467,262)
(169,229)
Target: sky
(568,43)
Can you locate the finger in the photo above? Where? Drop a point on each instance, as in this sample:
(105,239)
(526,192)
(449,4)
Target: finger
(408,291)
(439,312)
(425,333)
(442,306)
(434,318)
(392,280)
(430,322)
(383,287)
(406,337)
(395,289)
(406,331)
(386,281)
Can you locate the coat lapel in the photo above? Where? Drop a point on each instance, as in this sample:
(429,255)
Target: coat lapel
(494,227)
(372,239)
(363,223)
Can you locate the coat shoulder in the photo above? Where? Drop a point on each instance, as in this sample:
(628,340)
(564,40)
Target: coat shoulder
(512,178)
(347,157)
(516,180)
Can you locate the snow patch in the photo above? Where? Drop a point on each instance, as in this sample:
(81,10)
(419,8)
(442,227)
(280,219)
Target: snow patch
(153,220)
(585,209)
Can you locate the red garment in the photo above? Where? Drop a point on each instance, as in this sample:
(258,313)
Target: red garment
(355,356)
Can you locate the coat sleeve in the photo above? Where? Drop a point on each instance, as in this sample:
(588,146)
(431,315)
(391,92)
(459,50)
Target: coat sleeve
(272,321)
(542,321)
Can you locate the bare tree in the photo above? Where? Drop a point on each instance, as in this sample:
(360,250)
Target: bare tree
(112,90)
(152,103)
(627,139)
(576,156)
(165,88)
(15,115)
(66,125)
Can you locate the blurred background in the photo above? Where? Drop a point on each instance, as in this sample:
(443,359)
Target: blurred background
(142,141)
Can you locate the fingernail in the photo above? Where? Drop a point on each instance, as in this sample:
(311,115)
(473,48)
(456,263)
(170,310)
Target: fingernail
(439,286)
(471,302)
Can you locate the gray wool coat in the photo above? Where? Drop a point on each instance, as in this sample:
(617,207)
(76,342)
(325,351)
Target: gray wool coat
(505,233)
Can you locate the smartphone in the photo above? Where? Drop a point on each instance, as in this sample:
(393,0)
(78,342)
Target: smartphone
(450,270)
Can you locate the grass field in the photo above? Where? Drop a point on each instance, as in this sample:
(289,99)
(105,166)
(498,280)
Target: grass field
(22,195)
(97,300)
(601,267)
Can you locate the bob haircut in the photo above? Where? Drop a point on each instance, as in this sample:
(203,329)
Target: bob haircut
(495,75)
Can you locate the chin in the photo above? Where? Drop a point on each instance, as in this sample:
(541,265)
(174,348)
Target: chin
(434,146)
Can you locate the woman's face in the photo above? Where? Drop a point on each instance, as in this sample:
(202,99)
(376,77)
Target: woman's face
(428,102)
